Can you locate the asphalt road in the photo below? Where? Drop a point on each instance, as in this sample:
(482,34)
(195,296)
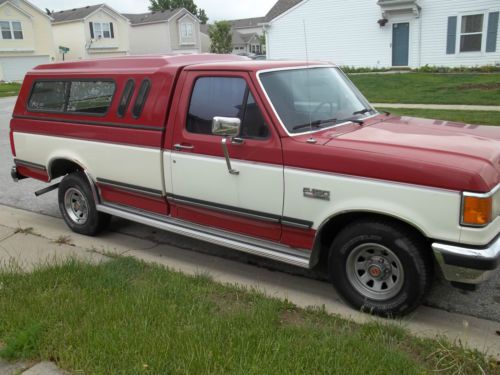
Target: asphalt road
(483,303)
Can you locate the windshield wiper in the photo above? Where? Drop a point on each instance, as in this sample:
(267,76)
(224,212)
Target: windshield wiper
(362,111)
(314,124)
(356,121)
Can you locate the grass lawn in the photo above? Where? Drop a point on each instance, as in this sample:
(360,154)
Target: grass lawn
(425,88)
(9,89)
(127,317)
(468,117)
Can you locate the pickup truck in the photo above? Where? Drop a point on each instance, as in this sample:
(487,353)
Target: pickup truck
(281,159)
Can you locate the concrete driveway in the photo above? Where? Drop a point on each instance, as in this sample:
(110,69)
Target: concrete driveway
(484,303)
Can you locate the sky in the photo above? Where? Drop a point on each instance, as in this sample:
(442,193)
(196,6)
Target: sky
(216,9)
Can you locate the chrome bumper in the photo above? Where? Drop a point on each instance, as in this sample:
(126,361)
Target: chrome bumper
(467,265)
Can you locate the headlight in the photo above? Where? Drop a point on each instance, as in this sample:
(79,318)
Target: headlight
(477,211)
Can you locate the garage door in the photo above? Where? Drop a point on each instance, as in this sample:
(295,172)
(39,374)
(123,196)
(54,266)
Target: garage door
(14,68)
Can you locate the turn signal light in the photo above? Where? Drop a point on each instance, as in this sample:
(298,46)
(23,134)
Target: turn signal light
(477,211)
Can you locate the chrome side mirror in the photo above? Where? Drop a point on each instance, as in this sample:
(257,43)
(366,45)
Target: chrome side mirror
(226,126)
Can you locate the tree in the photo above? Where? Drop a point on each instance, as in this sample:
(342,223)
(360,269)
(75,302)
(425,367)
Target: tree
(221,37)
(202,16)
(159,5)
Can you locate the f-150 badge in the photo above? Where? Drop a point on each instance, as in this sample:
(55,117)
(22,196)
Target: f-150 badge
(317,194)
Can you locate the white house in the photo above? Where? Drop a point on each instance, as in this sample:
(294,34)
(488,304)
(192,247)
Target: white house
(170,31)
(91,32)
(246,35)
(367,33)
(25,39)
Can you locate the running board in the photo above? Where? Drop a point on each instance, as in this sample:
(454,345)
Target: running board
(238,242)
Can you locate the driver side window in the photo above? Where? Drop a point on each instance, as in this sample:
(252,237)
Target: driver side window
(224,97)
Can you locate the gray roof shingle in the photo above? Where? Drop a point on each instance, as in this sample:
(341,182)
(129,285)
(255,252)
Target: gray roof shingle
(279,8)
(151,17)
(74,14)
(247,22)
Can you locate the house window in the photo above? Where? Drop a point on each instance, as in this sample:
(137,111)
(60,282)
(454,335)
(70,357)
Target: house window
(187,30)
(11,30)
(103,30)
(471,33)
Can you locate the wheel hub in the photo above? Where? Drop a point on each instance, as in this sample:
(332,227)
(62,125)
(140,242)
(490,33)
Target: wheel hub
(378,268)
(76,205)
(375,271)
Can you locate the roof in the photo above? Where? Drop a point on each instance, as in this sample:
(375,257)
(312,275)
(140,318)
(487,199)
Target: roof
(241,38)
(74,14)
(279,8)
(247,22)
(204,28)
(152,64)
(15,4)
(151,17)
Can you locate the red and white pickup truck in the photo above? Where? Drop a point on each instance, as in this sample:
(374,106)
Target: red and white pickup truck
(286,160)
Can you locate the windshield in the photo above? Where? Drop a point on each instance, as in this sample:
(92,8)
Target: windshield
(314,97)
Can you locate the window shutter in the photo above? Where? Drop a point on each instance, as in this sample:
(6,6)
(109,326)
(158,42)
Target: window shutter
(111,30)
(451,40)
(491,39)
(91,30)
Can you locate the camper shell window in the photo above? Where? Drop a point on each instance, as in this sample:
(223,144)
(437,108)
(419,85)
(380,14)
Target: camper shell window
(89,97)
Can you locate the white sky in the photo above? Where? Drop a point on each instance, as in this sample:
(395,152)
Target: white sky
(216,9)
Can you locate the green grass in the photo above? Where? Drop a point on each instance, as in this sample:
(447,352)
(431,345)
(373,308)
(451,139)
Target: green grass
(126,317)
(467,117)
(423,88)
(9,89)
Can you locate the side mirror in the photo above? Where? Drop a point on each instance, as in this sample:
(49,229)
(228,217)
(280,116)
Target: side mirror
(226,126)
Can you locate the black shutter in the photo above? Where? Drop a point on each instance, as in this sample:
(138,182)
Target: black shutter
(491,39)
(451,40)
(111,29)
(91,30)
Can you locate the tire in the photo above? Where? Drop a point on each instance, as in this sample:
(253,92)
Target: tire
(381,267)
(78,207)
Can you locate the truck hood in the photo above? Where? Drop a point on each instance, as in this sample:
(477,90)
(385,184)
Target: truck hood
(426,152)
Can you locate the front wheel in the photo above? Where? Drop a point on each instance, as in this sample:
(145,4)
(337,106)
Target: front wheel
(78,207)
(380,267)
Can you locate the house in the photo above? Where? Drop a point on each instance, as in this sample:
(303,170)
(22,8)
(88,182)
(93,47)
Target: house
(385,33)
(246,34)
(170,31)
(206,43)
(25,39)
(91,32)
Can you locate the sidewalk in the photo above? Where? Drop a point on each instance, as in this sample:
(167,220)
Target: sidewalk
(49,240)
(447,107)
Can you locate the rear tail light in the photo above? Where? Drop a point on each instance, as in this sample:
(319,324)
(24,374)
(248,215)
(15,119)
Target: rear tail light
(12,146)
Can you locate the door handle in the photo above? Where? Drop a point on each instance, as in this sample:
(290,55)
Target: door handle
(179,147)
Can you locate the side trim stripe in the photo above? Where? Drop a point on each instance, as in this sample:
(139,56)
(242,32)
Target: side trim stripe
(296,257)
(132,188)
(28,164)
(298,223)
(91,123)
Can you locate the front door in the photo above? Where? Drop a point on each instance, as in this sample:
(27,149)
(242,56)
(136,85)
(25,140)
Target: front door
(203,189)
(400,44)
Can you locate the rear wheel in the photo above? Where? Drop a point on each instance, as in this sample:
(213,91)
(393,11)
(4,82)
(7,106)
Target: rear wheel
(78,207)
(380,267)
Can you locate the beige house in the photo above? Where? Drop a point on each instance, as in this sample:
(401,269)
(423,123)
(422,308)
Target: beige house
(91,32)
(25,39)
(174,31)
(206,43)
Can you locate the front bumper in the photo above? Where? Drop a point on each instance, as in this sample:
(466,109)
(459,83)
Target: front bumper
(465,264)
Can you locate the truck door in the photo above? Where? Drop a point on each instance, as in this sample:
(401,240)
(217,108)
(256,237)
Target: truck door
(203,189)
